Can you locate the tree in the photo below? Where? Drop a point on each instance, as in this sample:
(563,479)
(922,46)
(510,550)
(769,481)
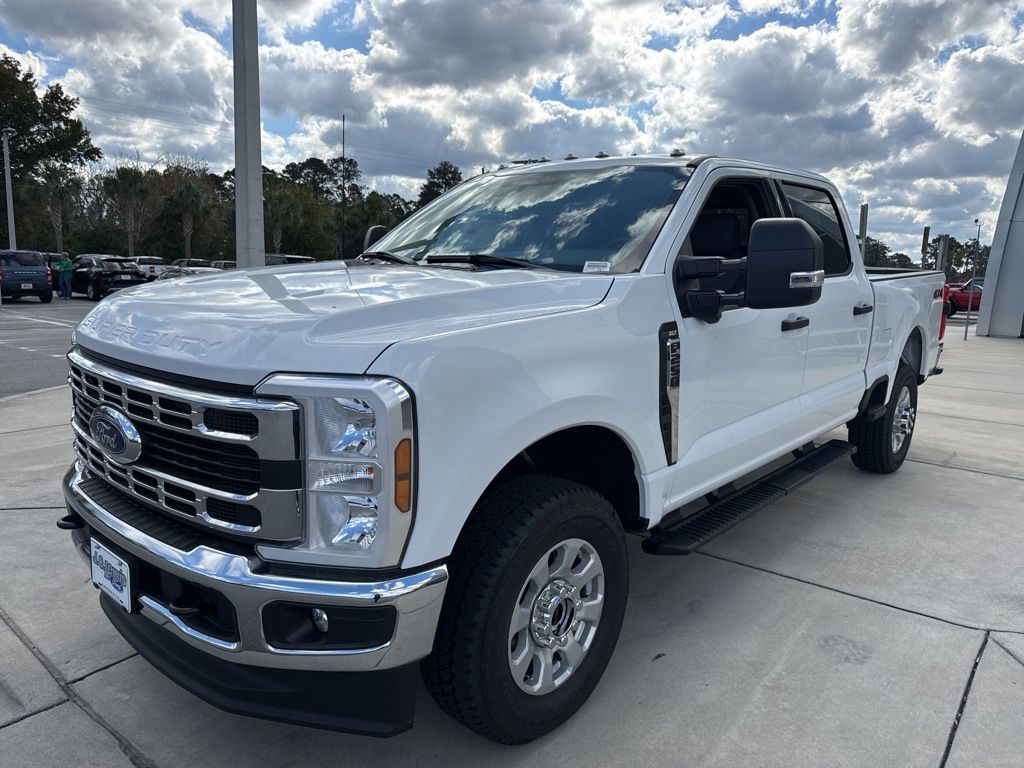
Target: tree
(440,179)
(129,193)
(281,208)
(46,128)
(186,204)
(61,188)
(959,259)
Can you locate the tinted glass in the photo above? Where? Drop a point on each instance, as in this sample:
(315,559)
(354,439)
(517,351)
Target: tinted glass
(559,219)
(149,260)
(21,259)
(816,207)
(117,265)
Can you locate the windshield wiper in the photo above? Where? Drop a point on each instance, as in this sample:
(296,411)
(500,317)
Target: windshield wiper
(482,259)
(388,256)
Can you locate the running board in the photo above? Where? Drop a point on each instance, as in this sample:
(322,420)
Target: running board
(691,534)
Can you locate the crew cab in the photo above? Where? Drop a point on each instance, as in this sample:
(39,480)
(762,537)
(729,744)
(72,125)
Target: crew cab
(301,487)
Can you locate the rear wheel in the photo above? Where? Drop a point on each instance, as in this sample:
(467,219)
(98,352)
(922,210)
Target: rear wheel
(92,292)
(538,590)
(882,444)
(46,297)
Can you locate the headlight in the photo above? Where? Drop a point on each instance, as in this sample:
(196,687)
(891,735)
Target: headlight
(359,469)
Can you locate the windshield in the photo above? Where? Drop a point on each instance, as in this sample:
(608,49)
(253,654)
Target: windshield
(21,259)
(582,219)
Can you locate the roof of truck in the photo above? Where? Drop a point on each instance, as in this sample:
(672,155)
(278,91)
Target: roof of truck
(675,159)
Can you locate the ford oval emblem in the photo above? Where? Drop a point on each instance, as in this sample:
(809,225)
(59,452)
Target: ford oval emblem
(115,435)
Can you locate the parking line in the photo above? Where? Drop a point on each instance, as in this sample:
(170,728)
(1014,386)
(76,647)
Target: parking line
(39,319)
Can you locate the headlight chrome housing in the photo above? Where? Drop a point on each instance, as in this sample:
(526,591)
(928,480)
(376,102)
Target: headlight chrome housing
(359,463)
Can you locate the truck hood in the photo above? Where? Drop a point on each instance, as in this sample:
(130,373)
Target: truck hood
(334,318)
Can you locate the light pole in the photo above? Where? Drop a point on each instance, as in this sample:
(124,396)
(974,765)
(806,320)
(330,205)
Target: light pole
(249,246)
(974,274)
(12,239)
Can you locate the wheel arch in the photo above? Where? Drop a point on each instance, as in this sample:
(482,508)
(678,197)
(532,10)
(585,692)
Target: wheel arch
(913,353)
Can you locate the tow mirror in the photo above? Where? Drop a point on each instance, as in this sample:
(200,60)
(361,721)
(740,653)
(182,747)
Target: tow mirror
(373,234)
(785,264)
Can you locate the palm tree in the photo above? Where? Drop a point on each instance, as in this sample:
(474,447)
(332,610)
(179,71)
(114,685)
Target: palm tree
(128,191)
(61,187)
(281,208)
(186,203)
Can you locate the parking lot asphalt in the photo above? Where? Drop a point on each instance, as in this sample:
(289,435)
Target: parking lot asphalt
(34,338)
(863,621)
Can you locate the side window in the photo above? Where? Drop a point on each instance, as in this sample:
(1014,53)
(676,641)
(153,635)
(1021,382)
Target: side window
(817,208)
(723,228)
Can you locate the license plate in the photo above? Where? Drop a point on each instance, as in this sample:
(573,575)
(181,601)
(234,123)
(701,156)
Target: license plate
(111,574)
(26,286)
(124,277)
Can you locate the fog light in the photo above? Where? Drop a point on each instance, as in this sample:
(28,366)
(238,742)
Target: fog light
(319,619)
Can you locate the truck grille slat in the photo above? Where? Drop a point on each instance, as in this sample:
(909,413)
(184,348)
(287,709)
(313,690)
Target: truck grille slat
(202,454)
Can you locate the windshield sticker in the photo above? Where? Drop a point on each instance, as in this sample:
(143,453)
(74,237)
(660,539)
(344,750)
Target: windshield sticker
(597,266)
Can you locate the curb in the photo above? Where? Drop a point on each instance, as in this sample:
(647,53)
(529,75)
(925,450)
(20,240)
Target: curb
(20,395)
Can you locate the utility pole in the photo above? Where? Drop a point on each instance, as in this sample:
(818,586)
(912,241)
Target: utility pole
(974,274)
(864,232)
(249,246)
(12,239)
(344,188)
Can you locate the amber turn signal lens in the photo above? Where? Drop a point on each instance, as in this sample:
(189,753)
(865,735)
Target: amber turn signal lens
(403,475)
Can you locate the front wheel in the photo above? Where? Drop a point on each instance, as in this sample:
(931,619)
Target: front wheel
(882,444)
(538,588)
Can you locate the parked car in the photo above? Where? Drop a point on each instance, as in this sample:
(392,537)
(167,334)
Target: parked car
(24,273)
(97,275)
(172,272)
(191,262)
(152,266)
(276,259)
(298,496)
(53,262)
(967,294)
(223,264)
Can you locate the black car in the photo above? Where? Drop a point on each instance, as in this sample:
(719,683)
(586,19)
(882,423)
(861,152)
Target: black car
(191,263)
(24,273)
(96,275)
(172,272)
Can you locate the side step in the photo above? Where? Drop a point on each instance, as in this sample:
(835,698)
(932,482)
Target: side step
(695,531)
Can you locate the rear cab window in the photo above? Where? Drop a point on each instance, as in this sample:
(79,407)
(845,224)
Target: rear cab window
(21,259)
(817,207)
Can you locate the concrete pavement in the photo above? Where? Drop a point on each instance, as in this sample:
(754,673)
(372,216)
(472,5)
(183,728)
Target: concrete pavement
(863,621)
(34,338)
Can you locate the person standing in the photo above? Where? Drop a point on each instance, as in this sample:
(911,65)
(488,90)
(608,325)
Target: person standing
(65,276)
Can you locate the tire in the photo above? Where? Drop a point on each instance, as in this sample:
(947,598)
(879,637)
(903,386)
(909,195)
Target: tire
(92,292)
(47,297)
(513,535)
(878,447)
(952,309)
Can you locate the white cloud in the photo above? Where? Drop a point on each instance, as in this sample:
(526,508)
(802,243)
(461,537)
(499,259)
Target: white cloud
(914,105)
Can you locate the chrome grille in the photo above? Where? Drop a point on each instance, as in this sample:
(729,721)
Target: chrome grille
(203,455)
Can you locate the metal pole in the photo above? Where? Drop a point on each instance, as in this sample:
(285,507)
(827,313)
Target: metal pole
(974,274)
(249,246)
(344,188)
(12,239)
(863,232)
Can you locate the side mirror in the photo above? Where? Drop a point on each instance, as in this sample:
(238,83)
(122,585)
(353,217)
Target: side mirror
(373,234)
(785,264)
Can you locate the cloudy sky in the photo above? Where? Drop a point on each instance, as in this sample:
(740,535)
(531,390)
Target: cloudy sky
(915,106)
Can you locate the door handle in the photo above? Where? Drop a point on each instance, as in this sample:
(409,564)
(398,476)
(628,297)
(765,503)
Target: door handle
(862,309)
(792,325)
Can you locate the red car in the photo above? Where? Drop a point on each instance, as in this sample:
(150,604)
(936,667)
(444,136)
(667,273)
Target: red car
(967,294)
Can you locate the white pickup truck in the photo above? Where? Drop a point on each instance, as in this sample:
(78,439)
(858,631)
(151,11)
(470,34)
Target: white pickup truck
(300,487)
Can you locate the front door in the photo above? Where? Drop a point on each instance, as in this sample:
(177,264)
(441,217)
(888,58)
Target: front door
(740,378)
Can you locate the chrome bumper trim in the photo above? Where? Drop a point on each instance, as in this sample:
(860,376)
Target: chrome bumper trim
(417,597)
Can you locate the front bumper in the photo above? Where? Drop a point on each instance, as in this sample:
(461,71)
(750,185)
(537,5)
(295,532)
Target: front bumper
(416,597)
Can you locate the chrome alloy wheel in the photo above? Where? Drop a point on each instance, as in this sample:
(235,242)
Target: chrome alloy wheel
(903,420)
(555,620)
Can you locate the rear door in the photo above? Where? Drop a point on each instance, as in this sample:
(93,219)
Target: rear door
(839,333)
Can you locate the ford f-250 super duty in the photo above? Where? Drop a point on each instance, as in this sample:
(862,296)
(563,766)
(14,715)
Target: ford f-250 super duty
(300,487)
